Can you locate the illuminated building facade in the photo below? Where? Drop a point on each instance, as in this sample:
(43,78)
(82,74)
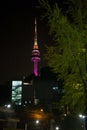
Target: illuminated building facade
(16,92)
(35,52)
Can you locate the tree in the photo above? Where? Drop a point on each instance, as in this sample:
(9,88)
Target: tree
(68,54)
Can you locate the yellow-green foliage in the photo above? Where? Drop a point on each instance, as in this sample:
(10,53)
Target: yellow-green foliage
(68,53)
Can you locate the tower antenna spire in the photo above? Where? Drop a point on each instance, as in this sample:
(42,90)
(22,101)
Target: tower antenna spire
(35,37)
(35,52)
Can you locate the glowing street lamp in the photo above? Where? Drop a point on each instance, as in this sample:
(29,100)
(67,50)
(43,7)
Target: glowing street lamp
(84,119)
(57,128)
(37,121)
(9,106)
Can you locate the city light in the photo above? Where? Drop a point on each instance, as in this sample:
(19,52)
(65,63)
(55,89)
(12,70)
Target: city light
(84,120)
(81,116)
(41,110)
(37,121)
(57,128)
(9,106)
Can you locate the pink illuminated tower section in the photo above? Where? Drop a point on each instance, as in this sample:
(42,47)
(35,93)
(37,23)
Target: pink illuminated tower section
(35,52)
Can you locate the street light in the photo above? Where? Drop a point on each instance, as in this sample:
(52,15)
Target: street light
(37,121)
(57,128)
(84,119)
(9,106)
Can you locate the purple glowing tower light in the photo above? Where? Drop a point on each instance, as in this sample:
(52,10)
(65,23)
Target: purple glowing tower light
(35,52)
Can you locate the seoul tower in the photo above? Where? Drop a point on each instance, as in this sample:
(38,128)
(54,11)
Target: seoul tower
(35,52)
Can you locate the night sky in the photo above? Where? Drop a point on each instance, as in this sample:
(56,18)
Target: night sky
(17,38)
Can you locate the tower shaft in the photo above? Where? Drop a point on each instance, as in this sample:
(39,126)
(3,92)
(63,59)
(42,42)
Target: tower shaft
(35,52)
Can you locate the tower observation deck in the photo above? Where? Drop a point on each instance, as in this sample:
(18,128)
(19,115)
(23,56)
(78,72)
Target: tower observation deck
(35,52)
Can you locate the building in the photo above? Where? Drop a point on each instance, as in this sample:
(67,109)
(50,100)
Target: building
(43,89)
(27,93)
(16,96)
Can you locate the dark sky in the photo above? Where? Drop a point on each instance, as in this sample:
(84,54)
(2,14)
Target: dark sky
(17,38)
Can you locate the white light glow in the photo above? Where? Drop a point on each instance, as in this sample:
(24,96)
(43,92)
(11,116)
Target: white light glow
(81,116)
(57,128)
(37,121)
(8,106)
